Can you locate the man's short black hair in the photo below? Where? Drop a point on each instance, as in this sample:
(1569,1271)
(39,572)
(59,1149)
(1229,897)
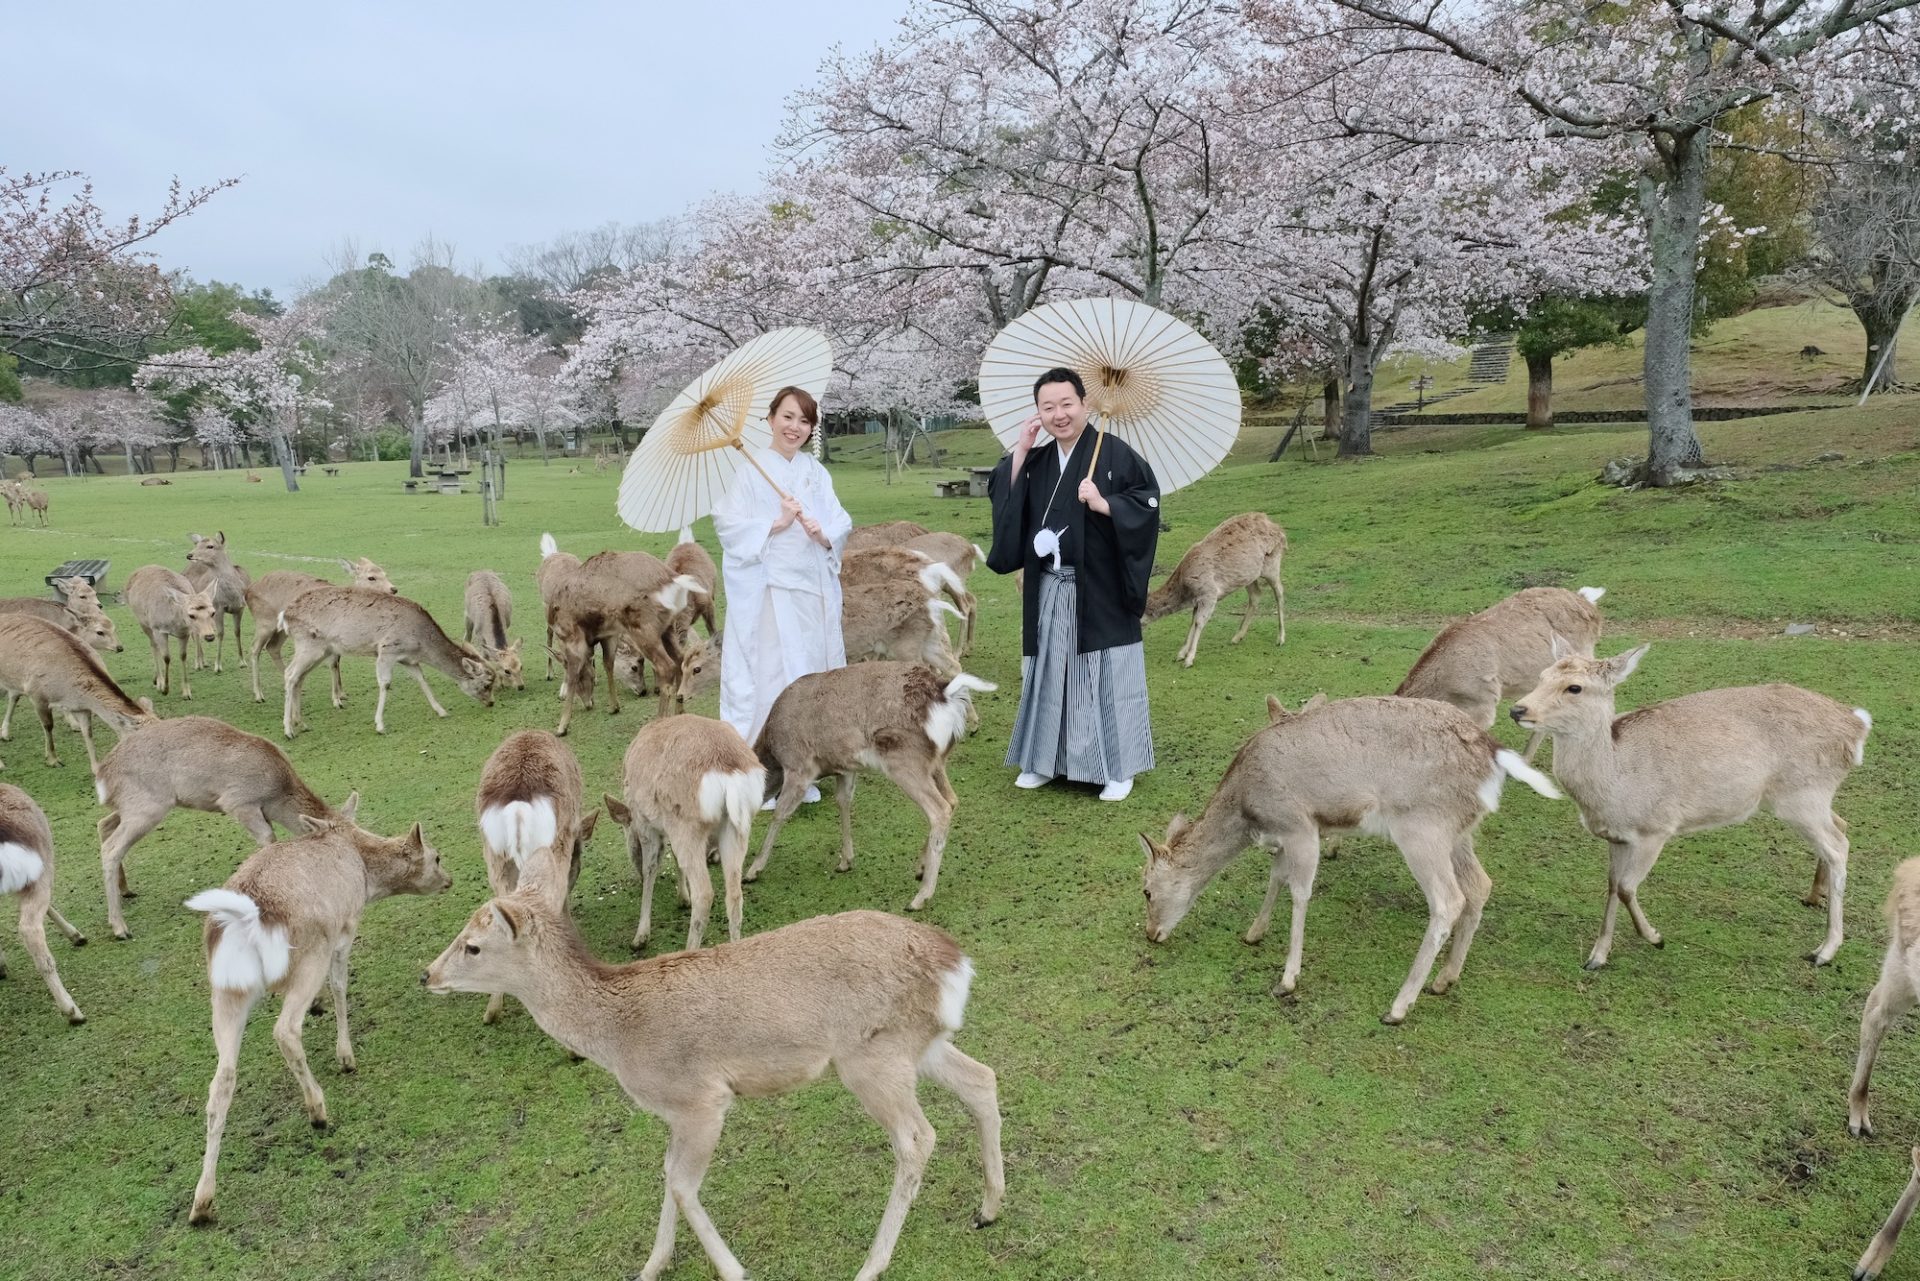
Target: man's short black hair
(1059,375)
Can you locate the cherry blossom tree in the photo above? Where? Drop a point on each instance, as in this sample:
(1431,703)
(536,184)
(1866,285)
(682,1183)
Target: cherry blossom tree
(79,290)
(1654,80)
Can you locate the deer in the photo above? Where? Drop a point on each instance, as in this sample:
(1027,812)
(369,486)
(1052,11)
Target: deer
(532,833)
(15,497)
(36,501)
(962,557)
(1704,760)
(284,923)
(56,671)
(898,718)
(197,763)
(689,558)
(209,568)
(875,997)
(889,533)
(489,610)
(1417,772)
(168,608)
(269,597)
(79,594)
(26,872)
(1880,1249)
(616,596)
(1896,992)
(695,783)
(554,569)
(329,622)
(898,620)
(1498,654)
(1241,551)
(90,624)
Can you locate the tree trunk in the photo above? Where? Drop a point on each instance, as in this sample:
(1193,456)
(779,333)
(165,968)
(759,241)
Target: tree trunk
(1330,409)
(133,468)
(1672,200)
(283,454)
(1356,430)
(1539,391)
(1881,319)
(417,439)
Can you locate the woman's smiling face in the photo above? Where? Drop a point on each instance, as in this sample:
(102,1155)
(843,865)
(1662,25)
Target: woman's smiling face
(790,427)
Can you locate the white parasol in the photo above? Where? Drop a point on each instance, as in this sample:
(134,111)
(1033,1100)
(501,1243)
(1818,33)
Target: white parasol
(687,459)
(1150,378)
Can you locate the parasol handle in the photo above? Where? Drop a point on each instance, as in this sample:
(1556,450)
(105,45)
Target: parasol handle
(746,454)
(1100,438)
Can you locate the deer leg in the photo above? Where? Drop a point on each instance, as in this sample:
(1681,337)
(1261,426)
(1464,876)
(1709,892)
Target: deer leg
(83,722)
(66,927)
(1301,853)
(1258,930)
(338,690)
(45,711)
(1246,615)
(156,641)
(1817,893)
(1533,745)
(254,819)
(689,1152)
(230,1011)
(690,855)
(1201,613)
(383,675)
(126,830)
(1880,1249)
(337,980)
(1644,852)
(793,786)
(733,861)
(35,903)
(920,789)
(186,681)
(1279,603)
(1429,857)
(643,847)
(886,1091)
(974,1083)
(6,721)
(1891,997)
(420,675)
(843,797)
(1812,816)
(1618,857)
(613,693)
(304,981)
(304,661)
(1477,886)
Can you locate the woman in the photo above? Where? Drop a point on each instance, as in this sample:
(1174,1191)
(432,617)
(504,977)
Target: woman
(781,559)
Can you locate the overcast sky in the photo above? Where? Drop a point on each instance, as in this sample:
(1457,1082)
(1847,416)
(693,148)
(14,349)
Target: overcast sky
(490,125)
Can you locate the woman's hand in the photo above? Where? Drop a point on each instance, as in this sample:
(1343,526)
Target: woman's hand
(789,512)
(1090,495)
(814,531)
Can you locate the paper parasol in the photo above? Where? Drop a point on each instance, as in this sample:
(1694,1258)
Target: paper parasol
(688,457)
(1151,380)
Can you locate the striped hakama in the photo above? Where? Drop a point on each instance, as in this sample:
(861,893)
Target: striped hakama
(1083,716)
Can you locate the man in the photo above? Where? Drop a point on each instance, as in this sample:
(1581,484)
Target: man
(1084,530)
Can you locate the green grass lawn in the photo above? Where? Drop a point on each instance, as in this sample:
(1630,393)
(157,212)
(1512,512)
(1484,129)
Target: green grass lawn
(1679,1114)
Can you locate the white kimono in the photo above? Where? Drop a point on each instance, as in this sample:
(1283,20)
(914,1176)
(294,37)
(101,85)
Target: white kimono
(782,590)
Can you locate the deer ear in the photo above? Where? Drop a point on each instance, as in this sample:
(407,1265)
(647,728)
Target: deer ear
(1177,828)
(350,810)
(1621,666)
(315,826)
(348,565)
(587,825)
(146,705)
(1559,647)
(513,648)
(617,810)
(1319,700)
(417,839)
(177,596)
(1275,711)
(509,916)
(1152,850)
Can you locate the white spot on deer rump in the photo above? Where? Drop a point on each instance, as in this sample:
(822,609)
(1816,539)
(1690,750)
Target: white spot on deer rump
(520,829)
(251,956)
(19,867)
(955,985)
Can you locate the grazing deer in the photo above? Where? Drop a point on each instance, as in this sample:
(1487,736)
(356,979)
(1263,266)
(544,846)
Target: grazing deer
(330,622)
(1419,773)
(26,871)
(1701,761)
(1499,653)
(56,671)
(616,596)
(875,997)
(897,718)
(962,557)
(36,501)
(898,620)
(889,533)
(1241,551)
(888,566)
(489,610)
(197,763)
(168,609)
(209,568)
(532,833)
(1880,1249)
(694,782)
(253,478)
(285,922)
(690,559)
(268,598)
(90,625)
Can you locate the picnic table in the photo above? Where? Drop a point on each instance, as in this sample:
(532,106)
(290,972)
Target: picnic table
(94,571)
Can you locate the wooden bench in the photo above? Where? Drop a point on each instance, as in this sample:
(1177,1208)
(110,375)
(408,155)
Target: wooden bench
(412,486)
(94,571)
(331,471)
(952,488)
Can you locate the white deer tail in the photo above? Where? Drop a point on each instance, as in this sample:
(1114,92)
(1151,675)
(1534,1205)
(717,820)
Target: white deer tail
(686,534)
(955,985)
(732,794)
(1593,594)
(1860,748)
(19,867)
(520,829)
(251,955)
(947,719)
(936,577)
(674,595)
(547,546)
(1508,764)
(935,606)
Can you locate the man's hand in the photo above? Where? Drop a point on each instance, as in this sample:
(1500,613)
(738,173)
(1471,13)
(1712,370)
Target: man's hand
(1023,443)
(789,512)
(1090,495)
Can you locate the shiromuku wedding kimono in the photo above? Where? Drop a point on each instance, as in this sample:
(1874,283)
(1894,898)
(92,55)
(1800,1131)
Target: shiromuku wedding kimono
(782,590)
